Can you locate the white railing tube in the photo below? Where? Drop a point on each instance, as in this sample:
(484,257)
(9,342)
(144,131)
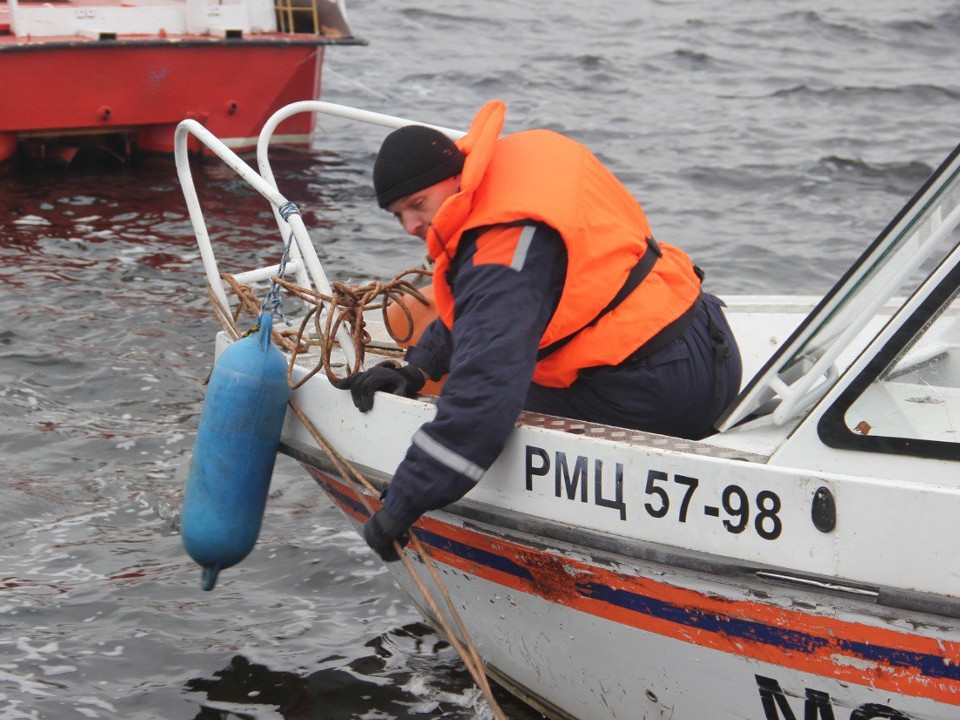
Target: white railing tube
(323,107)
(268,191)
(328,108)
(264,274)
(799,395)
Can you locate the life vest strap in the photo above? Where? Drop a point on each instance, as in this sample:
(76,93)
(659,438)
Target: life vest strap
(666,336)
(634,278)
(718,341)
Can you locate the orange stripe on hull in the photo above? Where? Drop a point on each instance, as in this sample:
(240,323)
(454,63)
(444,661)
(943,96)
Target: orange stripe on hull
(851,652)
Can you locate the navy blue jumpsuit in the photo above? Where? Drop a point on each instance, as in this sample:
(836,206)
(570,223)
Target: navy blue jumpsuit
(500,314)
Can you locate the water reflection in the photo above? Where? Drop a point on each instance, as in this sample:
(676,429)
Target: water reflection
(407,672)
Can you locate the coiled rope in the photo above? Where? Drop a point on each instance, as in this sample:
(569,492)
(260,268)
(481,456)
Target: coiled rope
(348,304)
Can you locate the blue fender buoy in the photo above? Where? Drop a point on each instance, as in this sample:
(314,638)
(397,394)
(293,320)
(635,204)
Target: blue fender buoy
(234,452)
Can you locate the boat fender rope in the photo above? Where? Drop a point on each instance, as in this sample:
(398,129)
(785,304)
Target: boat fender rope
(272,301)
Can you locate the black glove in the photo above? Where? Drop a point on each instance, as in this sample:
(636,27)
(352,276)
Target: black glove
(381,530)
(406,381)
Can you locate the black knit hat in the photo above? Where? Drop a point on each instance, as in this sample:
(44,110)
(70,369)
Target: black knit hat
(413,158)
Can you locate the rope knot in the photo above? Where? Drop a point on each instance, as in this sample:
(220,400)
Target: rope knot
(287,209)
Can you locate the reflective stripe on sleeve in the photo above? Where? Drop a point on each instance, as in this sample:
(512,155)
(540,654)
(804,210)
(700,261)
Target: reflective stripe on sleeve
(447,457)
(523,247)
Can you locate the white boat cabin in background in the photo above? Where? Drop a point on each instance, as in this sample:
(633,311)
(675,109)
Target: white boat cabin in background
(799,563)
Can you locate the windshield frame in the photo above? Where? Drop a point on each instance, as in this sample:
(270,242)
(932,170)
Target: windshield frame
(804,368)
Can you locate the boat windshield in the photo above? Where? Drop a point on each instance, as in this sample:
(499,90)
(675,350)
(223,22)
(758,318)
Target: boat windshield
(891,270)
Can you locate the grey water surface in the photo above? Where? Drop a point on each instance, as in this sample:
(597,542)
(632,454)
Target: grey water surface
(772,140)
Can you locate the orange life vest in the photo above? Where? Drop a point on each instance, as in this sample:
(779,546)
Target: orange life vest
(542,176)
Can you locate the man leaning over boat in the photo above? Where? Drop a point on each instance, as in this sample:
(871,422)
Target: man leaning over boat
(552,296)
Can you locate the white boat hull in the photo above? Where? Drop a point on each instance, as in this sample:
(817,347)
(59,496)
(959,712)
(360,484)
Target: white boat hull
(587,607)
(593,634)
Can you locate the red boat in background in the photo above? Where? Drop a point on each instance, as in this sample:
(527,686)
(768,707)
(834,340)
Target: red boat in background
(120,74)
